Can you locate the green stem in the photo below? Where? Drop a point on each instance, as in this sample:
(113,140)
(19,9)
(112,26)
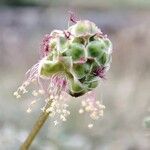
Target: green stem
(36,128)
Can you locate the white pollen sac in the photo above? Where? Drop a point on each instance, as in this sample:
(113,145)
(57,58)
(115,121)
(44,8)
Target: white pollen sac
(53,104)
(18,96)
(34,93)
(33,102)
(41,92)
(68,112)
(56,122)
(88,108)
(21,88)
(102,106)
(52,114)
(94,116)
(64,111)
(83,103)
(36,75)
(15,93)
(90,125)
(43,109)
(28,110)
(60,97)
(62,118)
(33,80)
(51,97)
(65,105)
(26,83)
(101,113)
(58,111)
(56,97)
(50,109)
(25,91)
(98,102)
(81,111)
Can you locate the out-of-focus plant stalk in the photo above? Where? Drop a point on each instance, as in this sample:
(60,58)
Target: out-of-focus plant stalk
(36,128)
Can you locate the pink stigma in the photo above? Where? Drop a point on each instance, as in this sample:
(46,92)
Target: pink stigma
(67,34)
(45,44)
(72,17)
(100,72)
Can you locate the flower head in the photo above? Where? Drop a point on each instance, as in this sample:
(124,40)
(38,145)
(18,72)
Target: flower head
(73,62)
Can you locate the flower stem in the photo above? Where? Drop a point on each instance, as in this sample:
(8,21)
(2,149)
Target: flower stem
(36,128)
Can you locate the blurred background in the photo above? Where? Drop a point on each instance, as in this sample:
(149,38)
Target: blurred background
(125,93)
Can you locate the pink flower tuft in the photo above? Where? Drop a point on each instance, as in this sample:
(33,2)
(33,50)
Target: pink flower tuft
(45,44)
(100,72)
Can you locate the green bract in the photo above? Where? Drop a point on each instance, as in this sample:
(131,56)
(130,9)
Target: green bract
(84,28)
(81,53)
(76,51)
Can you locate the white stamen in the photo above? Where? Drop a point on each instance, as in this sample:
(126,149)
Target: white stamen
(43,109)
(56,122)
(33,102)
(26,83)
(18,96)
(34,93)
(28,110)
(41,92)
(90,126)
(15,93)
(51,97)
(81,111)
(50,109)
(62,118)
(83,103)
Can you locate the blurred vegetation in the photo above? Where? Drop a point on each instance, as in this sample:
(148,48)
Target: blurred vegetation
(125,93)
(147,122)
(84,3)
(22,2)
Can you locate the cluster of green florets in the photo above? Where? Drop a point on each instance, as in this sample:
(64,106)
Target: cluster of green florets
(82,53)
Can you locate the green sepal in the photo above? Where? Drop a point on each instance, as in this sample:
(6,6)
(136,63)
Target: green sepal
(85,28)
(76,51)
(63,43)
(81,70)
(104,59)
(108,44)
(79,40)
(95,49)
(67,61)
(76,86)
(49,68)
(81,28)
(92,85)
